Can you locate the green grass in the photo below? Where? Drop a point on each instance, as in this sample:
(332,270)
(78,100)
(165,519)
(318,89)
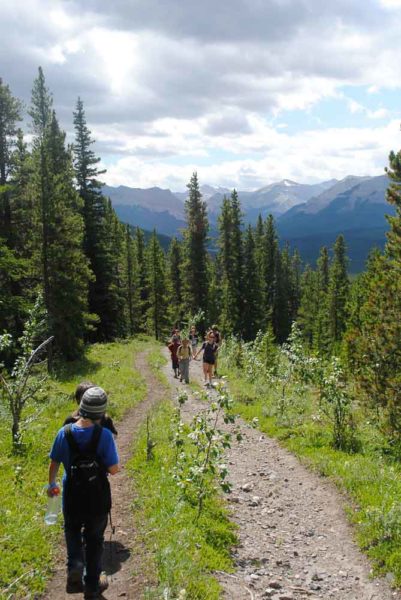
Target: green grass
(27,546)
(371,482)
(185,552)
(157,361)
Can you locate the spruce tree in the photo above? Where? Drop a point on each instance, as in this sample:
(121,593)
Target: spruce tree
(215,291)
(174,275)
(132,284)
(99,221)
(113,313)
(251,282)
(309,305)
(24,234)
(373,347)
(195,264)
(281,289)
(13,268)
(157,288)
(337,292)
(142,276)
(10,115)
(227,316)
(259,237)
(323,269)
(322,338)
(374,336)
(40,113)
(260,247)
(65,272)
(237,261)
(270,262)
(295,285)
(85,160)
(393,246)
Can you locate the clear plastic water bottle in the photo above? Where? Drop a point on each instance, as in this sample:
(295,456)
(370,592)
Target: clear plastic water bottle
(53,507)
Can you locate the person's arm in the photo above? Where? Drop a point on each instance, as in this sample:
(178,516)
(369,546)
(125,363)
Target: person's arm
(200,350)
(109,454)
(53,471)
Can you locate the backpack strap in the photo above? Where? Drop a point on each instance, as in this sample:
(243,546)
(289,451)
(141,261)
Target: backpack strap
(70,439)
(93,444)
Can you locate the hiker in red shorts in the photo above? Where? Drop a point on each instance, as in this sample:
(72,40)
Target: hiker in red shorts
(173,347)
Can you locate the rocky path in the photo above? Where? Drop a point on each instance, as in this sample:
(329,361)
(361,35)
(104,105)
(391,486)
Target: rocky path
(294,538)
(124,553)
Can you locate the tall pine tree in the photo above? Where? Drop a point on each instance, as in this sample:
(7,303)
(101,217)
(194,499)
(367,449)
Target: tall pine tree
(65,272)
(195,264)
(252,290)
(157,288)
(105,302)
(337,292)
(174,275)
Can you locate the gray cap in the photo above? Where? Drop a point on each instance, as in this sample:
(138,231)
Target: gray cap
(93,403)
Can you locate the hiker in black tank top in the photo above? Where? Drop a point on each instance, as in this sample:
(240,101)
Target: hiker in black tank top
(217,340)
(209,349)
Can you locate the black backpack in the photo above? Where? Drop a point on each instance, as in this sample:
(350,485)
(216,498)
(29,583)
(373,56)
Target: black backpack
(87,488)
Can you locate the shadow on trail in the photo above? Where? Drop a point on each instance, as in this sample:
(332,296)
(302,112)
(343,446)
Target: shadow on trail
(114,554)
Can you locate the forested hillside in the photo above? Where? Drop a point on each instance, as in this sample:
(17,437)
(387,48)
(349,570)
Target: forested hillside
(61,238)
(312,355)
(99,279)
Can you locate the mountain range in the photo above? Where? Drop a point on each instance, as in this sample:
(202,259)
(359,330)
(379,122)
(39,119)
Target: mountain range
(307,215)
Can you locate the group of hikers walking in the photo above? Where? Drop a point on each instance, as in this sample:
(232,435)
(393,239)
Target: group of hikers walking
(184,349)
(85,446)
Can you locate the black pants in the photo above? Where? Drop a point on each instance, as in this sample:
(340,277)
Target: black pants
(84,537)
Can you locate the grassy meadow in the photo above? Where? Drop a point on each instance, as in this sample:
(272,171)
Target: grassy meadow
(27,545)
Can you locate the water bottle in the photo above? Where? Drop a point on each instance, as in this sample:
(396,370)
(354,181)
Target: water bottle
(53,507)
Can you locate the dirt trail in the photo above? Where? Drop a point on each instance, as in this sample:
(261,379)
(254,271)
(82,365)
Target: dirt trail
(294,538)
(124,555)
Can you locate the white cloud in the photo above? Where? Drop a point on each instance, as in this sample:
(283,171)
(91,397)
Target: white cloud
(193,82)
(379,113)
(391,3)
(309,156)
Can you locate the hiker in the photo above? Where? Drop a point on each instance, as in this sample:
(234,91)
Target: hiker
(106,420)
(176,333)
(217,341)
(88,454)
(209,357)
(184,354)
(173,347)
(193,338)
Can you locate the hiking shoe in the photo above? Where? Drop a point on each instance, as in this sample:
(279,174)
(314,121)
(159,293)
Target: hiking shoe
(102,587)
(74,581)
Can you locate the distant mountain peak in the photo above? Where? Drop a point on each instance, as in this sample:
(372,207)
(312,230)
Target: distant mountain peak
(288,183)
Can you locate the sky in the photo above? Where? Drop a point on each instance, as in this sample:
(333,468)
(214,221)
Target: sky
(245,92)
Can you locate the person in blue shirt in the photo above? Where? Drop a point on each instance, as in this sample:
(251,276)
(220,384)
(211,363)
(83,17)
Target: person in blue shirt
(84,531)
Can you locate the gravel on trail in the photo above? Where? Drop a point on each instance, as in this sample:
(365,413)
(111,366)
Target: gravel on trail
(294,538)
